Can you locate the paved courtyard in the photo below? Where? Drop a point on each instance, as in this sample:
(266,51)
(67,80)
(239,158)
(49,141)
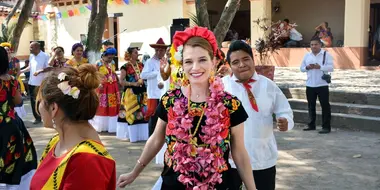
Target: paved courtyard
(308,161)
(342,160)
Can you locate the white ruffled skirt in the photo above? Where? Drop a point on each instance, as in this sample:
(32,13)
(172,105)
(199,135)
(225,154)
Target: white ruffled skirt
(104,123)
(133,133)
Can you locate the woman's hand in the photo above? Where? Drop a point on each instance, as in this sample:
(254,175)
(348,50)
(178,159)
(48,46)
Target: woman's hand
(126,179)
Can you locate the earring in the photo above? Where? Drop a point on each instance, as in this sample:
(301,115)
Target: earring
(54,125)
(212,77)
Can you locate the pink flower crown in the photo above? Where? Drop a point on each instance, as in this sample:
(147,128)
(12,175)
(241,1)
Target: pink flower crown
(66,88)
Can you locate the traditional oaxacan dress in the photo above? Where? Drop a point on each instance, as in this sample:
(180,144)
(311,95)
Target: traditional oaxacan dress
(18,158)
(20,109)
(87,166)
(131,122)
(174,104)
(73,63)
(172,83)
(109,99)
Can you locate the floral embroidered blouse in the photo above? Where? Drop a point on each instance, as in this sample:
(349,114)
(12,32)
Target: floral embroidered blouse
(233,115)
(7,91)
(73,63)
(108,71)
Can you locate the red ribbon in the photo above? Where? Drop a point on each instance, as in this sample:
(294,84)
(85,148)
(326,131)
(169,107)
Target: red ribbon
(251,97)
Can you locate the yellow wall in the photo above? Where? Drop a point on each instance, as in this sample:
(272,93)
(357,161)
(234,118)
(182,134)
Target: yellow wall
(144,23)
(26,37)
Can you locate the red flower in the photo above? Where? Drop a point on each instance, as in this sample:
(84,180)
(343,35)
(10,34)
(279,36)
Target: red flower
(17,155)
(29,140)
(13,138)
(8,158)
(224,133)
(3,95)
(11,114)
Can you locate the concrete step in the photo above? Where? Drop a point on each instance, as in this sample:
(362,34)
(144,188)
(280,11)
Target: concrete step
(337,96)
(344,108)
(340,120)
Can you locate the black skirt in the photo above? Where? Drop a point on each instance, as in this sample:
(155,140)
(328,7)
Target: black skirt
(17,152)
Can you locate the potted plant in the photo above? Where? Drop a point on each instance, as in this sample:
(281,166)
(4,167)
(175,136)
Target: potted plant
(266,45)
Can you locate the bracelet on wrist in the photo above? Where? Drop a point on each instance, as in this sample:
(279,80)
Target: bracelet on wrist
(141,164)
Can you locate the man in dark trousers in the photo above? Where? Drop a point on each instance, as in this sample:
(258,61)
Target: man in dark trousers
(316,64)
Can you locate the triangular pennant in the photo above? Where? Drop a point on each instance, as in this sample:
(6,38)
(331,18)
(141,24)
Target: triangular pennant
(42,8)
(126,2)
(135,1)
(65,14)
(71,13)
(59,15)
(143,1)
(110,1)
(89,7)
(119,2)
(82,10)
(76,12)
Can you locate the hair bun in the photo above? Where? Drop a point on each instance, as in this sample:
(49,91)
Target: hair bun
(89,75)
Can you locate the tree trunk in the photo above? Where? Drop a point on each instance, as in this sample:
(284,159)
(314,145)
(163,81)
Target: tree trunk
(12,13)
(228,15)
(23,19)
(96,28)
(202,13)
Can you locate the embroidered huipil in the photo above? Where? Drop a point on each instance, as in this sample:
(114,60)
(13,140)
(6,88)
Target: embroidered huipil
(258,128)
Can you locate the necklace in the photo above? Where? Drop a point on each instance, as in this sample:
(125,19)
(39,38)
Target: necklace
(189,110)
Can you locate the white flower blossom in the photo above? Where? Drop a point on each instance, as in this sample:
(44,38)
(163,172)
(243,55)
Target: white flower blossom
(62,76)
(178,54)
(65,87)
(74,92)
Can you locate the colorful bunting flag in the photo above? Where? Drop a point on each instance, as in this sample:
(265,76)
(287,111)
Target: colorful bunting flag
(59,15)
(65,14)
(89,7)
(76,12)
(119,2)
(135,1)
(143,1)
(71,13)
(44,17)
(82,10)
(126,2)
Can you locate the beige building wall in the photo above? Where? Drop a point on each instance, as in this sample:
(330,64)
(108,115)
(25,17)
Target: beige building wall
(144,23)
(26,37)
(309,14)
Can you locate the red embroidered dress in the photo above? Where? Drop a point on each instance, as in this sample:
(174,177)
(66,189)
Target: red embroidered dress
(87,166)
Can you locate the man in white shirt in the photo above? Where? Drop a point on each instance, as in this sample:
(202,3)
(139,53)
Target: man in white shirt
(261,98)
(151,73)
(316,63)
(295,37)
(38,60)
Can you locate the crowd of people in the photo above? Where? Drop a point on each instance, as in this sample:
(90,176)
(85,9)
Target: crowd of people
(207,117)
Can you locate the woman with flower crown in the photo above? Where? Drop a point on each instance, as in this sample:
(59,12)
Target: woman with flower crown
(75,158)
(109,95)
(77,51)
(200,123)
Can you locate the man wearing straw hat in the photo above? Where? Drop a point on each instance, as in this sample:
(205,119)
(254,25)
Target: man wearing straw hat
(151,73)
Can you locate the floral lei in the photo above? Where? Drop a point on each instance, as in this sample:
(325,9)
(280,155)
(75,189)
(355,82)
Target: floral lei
(207,162)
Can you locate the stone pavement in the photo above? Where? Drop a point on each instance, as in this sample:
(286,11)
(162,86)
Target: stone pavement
(307,160)
(358,81)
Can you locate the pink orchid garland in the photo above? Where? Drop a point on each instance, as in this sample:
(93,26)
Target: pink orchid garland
(203,161)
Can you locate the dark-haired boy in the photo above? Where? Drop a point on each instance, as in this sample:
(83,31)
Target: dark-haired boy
(261,98)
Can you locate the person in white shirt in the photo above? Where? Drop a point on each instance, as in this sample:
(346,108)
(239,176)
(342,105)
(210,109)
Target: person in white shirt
(261,98)
(38,60)
(295,37)
(317,63)
(151,73)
